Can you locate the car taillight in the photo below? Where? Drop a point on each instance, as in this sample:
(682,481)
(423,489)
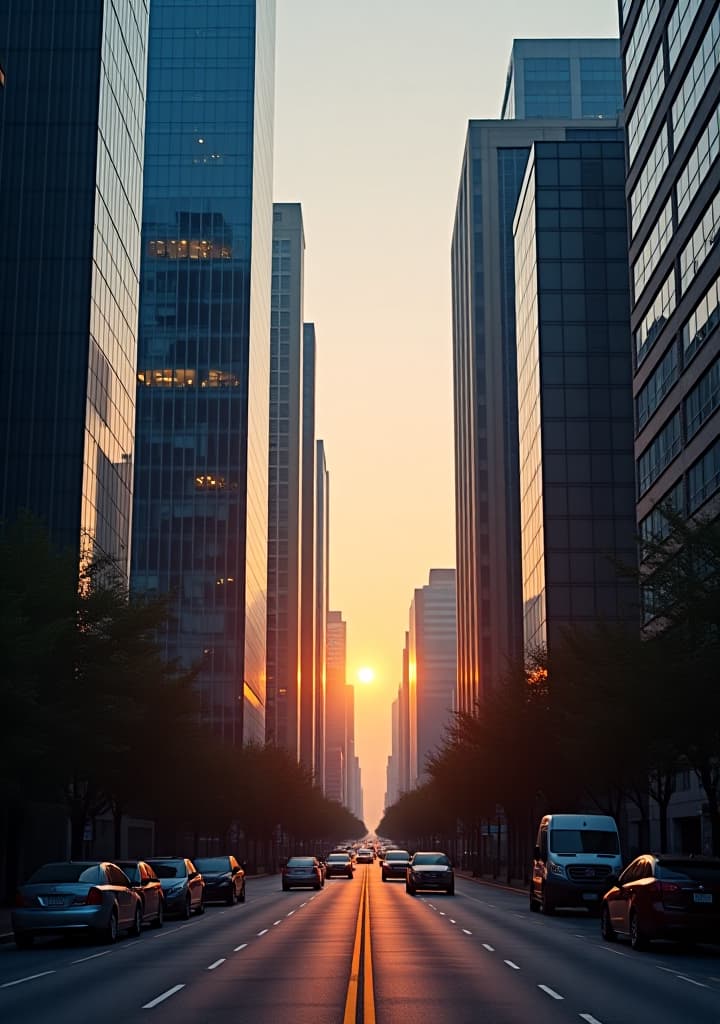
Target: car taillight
(94,898)
(20,899)
(666,888)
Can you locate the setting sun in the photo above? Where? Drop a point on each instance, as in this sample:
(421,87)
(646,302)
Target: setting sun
(365,675)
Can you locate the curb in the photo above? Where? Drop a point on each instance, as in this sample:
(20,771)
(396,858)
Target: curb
(493,885)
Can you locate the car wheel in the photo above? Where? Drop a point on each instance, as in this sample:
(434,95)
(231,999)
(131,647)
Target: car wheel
(286,888)
(160,919)
(187,909)
(201,906)
(136,926)
(109,933)
(241,897)
(24,940)
(548,907)
(638,938)
(606,929)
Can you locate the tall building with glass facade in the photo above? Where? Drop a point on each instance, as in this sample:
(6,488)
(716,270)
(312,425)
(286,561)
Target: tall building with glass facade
(574,390)
(563,78)
(322,585)
(308,522)
(336,747)
(283,613)
(72,125)
(201,486)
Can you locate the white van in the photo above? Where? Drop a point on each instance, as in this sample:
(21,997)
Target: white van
(574,856)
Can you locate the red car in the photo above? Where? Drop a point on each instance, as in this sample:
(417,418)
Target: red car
(661,896)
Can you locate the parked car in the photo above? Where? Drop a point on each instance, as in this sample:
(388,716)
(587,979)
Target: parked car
(430,871)
(395,864)
(574,857)
(339,864)
(302,871)
(76,896)
(224,879)
(183,885)
(365,855)
(663,896)
(146,884)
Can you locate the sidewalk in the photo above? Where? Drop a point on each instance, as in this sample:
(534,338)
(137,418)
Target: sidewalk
(515,886)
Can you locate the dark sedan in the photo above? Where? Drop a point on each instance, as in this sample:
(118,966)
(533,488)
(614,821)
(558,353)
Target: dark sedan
(339,864)
(430,871)
(76,896)
(661,896)
(224,879)
(183,885)
(395,865)
(146,884)
(302,871)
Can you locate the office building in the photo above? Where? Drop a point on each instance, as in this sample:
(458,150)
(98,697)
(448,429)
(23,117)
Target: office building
(671,59)
(322,568)
(336,748)
(308,522)
(563,78)
(574,390)
(72,125)
(283,602)
(200,528)
(432,655)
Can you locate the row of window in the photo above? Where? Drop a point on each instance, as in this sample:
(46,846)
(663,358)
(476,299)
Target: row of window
(646,104)
(638,40)
(703,400)
(659,453)
(702,321)
(657,386)
(656,525)
(693,87)
(679,25)
(650,177)
(700,243)
(698,165)
(655,246)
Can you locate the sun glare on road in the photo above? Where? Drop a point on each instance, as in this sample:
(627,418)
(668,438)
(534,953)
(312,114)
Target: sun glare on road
(365,675)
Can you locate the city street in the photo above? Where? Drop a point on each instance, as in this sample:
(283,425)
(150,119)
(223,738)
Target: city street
(305,958)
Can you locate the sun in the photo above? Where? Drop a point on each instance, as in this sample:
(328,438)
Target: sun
(365,675)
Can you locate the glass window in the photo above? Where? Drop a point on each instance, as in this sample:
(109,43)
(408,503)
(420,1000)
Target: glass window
(564,841)
(693,87)
(701,243)
(68,872)
(703,400)
(169,868)
(650,177)
(655,318)
(698,165)
(600,86)
(679,25)
(658,384)
(659,453)
(645,107)
(704,478)
(702,321)
(656,525)
(655,246)
(547,87)
(626,5)
(638,40)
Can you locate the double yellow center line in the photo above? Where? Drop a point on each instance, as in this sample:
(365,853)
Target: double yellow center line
(360,1000)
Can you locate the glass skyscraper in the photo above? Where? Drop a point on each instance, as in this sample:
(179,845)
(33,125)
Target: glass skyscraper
(72,122)
(200,514)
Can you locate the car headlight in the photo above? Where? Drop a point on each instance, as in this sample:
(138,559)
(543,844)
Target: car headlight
(556,869)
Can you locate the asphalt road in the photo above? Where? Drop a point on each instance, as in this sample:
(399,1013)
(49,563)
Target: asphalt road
(302,957)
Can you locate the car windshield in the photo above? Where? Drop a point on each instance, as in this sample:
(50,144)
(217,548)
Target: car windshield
(90,873)
(213,863)
(397,855)
(431,858)
(338,858)
(583,840)
(300,862)
(169,868)
(682,871)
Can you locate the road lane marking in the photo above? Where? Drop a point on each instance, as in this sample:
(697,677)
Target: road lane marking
(238,948)
(467,932)
(490,949)
(452,920)
(368,985)
(303,904)
(617,952)
(442,913)
(589,1018)
(551,992)
(217,963)
(93,957)
(30,977)
(276,923)
(290,913)
(684,977)
(163,997)
(511,964)
(263,932)
(361,965)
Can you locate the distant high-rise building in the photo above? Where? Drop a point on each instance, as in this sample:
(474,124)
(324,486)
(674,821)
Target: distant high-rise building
(72,125)
(335,701)
(352,775)
(563,78)
(308,508)
(392,791)
(322,499)
(201,486)
(487,494)
(574,390)
(283,615)
(432,656)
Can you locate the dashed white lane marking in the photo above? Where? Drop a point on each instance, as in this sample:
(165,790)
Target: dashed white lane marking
(467,932)
(238,948)
(93,957)
(163,997)
(217,963)
(276,923)
(30,977)
(684,977)
(263,932)
(589,1018)
(290,913)
(490,949)
(511,964)
(303,904)
(452,920)
(442,913)
(617,952)
(551,992)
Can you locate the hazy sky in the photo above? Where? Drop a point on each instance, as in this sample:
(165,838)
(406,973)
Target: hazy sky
(372,103)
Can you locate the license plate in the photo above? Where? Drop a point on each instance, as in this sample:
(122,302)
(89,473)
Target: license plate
(590,895)
(54,901)
(702,897)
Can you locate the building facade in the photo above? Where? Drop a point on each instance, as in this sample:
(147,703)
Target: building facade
(308,499)
(283,602)
(671,63)
(336,747)
(72,124)
(201,486)
(322,583)
(574,390)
